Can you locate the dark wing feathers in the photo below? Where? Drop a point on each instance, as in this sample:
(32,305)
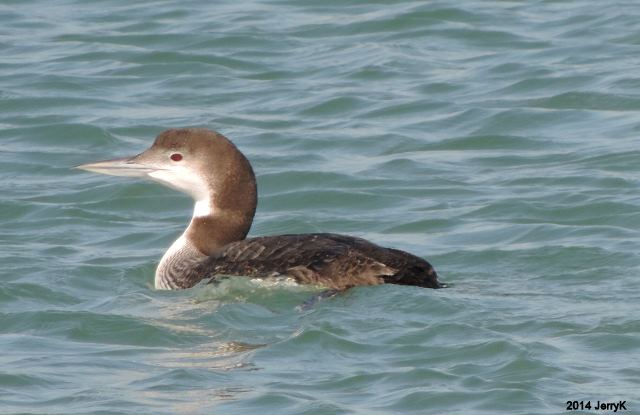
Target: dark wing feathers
(334,261)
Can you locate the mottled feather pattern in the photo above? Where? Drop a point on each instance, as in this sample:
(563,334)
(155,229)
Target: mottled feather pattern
(330,260)
(176,269)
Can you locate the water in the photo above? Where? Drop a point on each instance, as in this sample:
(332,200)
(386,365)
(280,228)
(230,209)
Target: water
(497,139)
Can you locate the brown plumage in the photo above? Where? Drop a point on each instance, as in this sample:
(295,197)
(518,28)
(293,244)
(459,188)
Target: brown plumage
(330,260)
(216,174)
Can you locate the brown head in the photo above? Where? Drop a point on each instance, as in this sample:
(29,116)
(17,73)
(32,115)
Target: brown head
(205,165)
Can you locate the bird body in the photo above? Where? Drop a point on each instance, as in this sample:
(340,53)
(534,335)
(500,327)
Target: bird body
(207,166)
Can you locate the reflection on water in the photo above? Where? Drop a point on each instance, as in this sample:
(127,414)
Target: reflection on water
(192,401)
(195,374)
(219,356)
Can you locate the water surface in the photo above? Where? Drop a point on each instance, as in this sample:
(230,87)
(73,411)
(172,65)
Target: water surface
(498,139)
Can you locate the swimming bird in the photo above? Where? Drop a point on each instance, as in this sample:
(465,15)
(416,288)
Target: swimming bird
(208,167)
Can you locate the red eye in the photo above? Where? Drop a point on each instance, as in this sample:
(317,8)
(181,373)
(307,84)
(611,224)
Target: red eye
(176,157)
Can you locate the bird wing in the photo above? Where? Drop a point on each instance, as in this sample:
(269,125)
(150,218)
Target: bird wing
(334,261)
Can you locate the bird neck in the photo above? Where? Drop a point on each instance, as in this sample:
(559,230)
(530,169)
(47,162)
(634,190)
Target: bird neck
(222,214)
(208,233)
(211,228)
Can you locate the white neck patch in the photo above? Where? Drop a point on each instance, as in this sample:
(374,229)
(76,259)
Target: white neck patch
(202,208)
(184,180)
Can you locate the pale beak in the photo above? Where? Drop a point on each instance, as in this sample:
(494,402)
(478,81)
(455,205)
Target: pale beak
(127,166)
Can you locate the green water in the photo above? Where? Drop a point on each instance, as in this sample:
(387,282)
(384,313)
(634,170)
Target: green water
(497,139)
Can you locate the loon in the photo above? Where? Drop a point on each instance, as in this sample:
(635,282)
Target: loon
(209,167)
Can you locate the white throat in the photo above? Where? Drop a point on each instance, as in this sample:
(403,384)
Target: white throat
(181,249)
(202,208)
(186,180)
(168,261)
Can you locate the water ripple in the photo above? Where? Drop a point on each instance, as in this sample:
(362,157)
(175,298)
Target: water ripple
(496,139)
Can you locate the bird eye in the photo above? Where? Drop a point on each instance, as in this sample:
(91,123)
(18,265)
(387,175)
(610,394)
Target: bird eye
(176,157)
